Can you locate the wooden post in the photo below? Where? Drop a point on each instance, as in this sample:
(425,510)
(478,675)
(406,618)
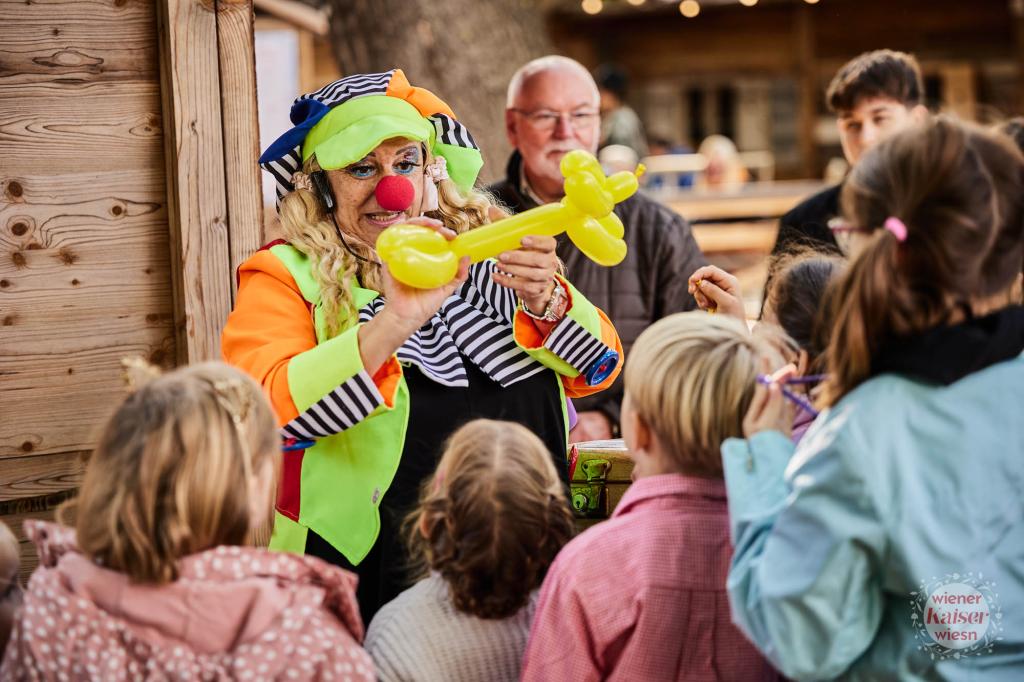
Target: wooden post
(211,143)
(808,78)
(241,130)
(1017,11)
(959,91)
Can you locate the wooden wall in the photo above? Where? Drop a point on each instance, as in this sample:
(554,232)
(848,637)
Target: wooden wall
(119,173)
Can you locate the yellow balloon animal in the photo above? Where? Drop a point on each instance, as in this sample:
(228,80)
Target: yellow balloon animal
(421,257)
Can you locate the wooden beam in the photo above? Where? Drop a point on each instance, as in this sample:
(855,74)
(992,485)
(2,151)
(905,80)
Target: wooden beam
(1017,12)
(197,204)
(297,14)
(809,93)
(235,44)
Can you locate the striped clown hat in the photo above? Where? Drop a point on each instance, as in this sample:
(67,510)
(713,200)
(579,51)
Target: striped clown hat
(345,120)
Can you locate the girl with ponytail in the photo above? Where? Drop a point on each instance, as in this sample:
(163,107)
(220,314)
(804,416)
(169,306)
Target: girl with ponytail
(906,490)
(489,523)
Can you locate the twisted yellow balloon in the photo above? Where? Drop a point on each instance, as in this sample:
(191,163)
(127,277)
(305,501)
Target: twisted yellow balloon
(421,257)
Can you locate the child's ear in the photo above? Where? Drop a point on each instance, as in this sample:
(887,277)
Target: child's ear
(639,432)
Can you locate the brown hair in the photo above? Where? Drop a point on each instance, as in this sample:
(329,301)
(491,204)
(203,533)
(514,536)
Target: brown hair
(170,474)
(796,292)
(691,377)
(960,192)
(881,73)
(492,518)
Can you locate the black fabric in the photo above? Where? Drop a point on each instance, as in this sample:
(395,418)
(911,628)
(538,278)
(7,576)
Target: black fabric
(944,355)
(806,225)
(436,411)
(648,285)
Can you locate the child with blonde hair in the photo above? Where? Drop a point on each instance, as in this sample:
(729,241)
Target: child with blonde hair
(642,595)
(489,523)
(153,581)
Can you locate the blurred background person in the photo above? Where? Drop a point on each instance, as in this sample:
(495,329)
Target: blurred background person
(617,157)
(873,95)
(619,123)
(725,170)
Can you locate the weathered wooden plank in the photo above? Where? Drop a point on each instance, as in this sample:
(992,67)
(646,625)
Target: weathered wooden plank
(241,128)
(84,320)
(87,251)
(60,41)
(68,186)
(41,475)
(196,195)
(84,281)
(97,127)
(56,401)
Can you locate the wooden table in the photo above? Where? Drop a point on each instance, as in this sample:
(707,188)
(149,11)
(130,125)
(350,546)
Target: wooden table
(754,201)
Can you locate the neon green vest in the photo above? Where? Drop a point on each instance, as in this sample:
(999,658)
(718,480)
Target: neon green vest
(344,476)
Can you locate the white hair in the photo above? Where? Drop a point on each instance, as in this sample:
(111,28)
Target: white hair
(541,65)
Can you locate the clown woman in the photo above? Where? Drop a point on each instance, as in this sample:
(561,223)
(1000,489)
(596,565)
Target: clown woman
(368,377)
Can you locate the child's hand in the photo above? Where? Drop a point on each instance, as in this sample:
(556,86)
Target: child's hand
(769,410)
(717,290)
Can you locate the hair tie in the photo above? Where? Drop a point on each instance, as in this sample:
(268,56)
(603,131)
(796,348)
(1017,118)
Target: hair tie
(302,180)
(136,373)
(433,173)
(897,227)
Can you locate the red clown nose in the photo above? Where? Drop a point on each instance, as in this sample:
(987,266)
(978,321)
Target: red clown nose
(394,193)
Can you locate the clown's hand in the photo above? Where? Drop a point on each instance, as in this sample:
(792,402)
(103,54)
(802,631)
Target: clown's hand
(530,271)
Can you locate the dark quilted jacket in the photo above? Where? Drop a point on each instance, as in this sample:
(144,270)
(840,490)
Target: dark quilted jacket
(648,285)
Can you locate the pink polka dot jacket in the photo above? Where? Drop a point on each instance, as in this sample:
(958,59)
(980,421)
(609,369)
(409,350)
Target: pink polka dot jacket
(236,613)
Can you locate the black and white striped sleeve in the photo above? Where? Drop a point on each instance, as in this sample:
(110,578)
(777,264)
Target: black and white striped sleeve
(344,407)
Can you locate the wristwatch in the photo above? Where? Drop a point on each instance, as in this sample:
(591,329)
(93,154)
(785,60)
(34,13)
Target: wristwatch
(556,305)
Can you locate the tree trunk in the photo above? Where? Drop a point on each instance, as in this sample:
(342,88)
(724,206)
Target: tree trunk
(465,51)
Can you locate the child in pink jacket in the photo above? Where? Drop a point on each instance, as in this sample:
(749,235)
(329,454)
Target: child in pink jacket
(642,596)
(153,582)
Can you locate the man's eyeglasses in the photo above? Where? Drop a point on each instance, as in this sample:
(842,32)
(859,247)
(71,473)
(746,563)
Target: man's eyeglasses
(545,120)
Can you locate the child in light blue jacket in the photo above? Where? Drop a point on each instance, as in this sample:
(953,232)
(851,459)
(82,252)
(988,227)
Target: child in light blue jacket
(890,546)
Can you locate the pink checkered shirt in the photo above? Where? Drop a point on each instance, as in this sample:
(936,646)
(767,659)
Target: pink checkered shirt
(642,596)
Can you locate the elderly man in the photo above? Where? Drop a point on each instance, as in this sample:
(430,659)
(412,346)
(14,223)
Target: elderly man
(553,108)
